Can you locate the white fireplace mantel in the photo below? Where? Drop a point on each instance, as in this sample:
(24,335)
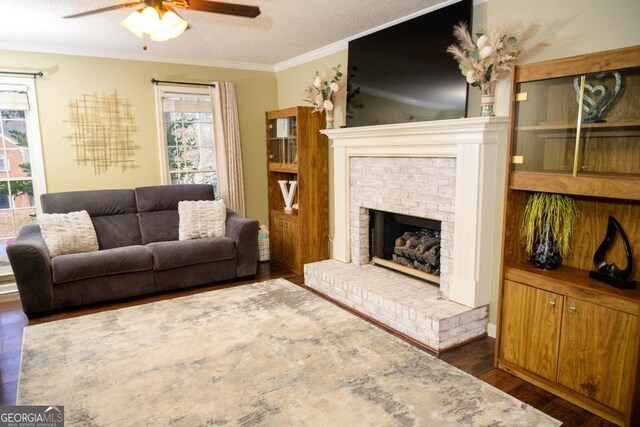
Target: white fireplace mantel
(473,143)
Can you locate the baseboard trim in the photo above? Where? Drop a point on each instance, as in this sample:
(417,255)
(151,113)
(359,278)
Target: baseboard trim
(7,288)
(491,330)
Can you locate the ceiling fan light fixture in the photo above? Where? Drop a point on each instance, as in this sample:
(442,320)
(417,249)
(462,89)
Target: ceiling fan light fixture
(149,20)
(160,25)
(171,26)
(132,23)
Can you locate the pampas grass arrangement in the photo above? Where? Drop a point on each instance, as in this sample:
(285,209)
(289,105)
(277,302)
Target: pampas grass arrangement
(548,213)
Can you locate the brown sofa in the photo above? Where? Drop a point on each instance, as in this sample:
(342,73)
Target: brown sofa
(139,252)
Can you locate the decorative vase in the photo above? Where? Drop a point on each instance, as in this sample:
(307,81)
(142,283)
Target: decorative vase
(487,99)
(546,255)
(329,117)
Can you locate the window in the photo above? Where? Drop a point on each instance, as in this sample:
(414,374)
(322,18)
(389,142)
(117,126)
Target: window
(186,133)
(21,167)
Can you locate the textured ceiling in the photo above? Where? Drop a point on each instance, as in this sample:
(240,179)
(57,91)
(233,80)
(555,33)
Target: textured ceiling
(284,30)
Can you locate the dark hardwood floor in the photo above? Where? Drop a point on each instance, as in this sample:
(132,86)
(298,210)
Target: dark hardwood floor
(475,358)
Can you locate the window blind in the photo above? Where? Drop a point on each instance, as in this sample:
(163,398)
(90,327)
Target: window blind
(14,99)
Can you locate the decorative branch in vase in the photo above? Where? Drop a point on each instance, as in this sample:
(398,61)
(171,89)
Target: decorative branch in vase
(324,92)
(486,60)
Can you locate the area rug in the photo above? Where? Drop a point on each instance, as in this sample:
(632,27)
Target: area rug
(269,353)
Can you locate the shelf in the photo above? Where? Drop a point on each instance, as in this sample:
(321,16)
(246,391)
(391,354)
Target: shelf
(575,283)
(293,217)
(571,126)
(283,167)
(593,186)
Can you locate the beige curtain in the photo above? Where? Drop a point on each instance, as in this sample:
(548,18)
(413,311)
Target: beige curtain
(227,141)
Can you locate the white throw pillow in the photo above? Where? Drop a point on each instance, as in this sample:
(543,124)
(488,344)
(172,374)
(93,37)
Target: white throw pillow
(69,233)
(203,218)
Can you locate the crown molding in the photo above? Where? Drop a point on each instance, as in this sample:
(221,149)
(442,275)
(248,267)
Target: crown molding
(143,56)
(314,54)
(344,43)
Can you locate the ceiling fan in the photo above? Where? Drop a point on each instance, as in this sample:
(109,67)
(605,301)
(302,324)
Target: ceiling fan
(161,20)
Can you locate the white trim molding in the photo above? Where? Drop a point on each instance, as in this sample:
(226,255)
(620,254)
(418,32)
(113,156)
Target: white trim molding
(8,288)
(491,330)
(473,143)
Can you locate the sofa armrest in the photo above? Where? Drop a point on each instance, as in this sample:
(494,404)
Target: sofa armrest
(244,232)
(31,264)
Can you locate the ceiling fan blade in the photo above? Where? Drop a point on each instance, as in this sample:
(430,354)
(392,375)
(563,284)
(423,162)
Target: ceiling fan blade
(104,9)
(224,8)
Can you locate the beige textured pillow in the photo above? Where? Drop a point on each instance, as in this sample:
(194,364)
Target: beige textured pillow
(203,218)
(69,233)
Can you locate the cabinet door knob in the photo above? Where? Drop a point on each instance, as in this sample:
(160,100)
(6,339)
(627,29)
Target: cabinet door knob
(572,308)
(552,303)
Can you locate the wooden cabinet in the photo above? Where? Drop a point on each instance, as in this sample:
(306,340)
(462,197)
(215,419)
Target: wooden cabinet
(297,151)
(561,330)
(283,235)
(596,352)
(572,336)
(531,328)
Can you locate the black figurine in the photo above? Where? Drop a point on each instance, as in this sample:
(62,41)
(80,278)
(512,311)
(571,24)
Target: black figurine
(610,273)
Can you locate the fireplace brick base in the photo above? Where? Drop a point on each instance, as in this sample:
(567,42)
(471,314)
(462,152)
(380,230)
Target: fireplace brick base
(407,305)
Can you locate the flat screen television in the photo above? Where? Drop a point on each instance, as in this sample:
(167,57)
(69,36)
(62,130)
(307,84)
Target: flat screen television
(403,73)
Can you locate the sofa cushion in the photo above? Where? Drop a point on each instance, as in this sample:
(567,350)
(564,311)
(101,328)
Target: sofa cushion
(113,213)
(181,253)
(68,233)
(128,259)
(158,207)
(203,218)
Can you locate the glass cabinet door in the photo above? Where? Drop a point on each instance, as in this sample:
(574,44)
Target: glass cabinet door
(283,141)
(546,114)
(609,142)
(553,135)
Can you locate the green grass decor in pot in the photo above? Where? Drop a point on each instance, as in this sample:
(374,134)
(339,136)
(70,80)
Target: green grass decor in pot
(547,224)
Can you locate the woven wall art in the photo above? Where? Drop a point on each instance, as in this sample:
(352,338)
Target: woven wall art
(103,129)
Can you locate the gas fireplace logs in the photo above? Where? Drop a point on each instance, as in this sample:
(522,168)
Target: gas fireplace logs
(419,250)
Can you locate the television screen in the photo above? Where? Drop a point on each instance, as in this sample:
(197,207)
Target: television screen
(404,74)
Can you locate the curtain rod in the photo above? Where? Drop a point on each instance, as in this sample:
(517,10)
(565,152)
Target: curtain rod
(18,73)
(155,82)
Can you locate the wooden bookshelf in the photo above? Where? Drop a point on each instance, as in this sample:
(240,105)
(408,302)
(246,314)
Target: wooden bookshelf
(561,330)
(298,153)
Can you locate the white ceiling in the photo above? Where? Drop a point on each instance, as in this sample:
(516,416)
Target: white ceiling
(285,29)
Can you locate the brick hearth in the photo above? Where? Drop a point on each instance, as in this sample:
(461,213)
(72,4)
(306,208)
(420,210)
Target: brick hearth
(407,305)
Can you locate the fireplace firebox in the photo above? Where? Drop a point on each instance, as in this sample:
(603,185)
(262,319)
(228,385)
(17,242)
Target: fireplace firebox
(405,243)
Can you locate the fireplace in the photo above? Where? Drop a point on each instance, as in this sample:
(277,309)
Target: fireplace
(405,243)
(442,170)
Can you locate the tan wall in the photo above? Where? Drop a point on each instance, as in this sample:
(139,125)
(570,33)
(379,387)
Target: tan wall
(291,85)
(570,27)
(69,77)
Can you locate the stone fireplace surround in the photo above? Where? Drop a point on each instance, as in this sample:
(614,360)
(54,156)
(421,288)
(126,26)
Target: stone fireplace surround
(448,170)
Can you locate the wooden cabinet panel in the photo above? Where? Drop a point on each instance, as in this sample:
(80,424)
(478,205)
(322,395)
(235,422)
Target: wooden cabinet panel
(597,352)
(276,240)
(531,328)
(290,244)
(284,241)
